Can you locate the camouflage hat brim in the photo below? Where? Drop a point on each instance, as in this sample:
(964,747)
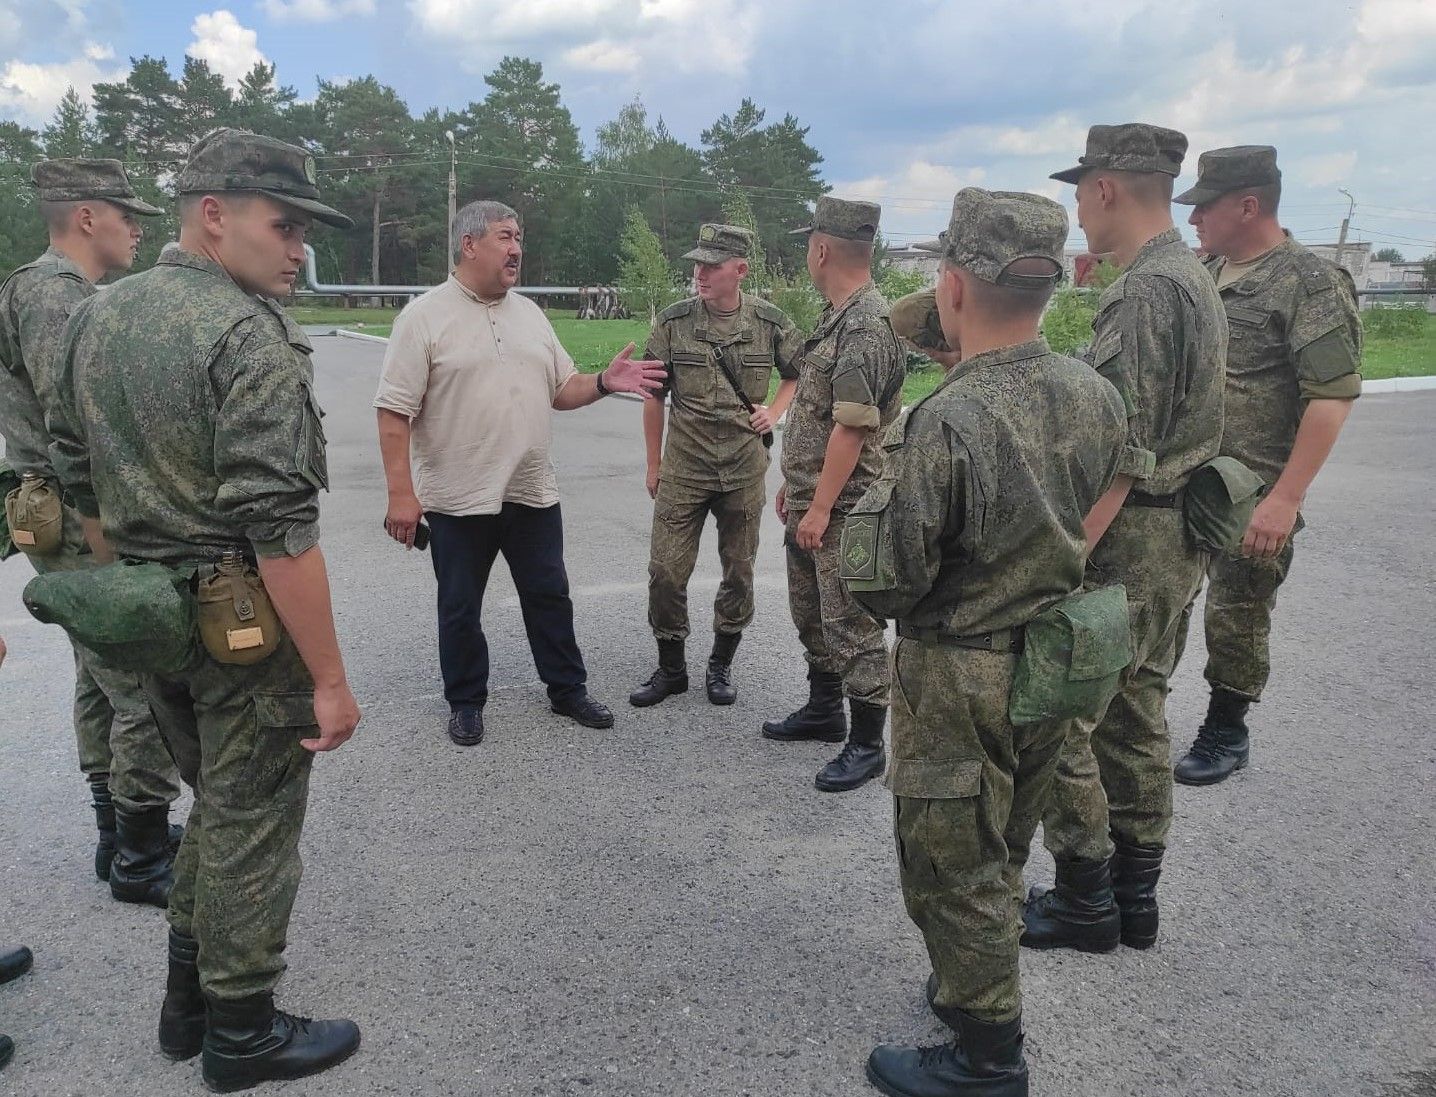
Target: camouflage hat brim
(318,210)
(935,247)
(1071,175)
(710,256)
(806,230)
(1199,196)
(136,205)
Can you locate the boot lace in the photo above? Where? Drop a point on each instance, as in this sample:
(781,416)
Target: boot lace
(1208,745)
(934,1055)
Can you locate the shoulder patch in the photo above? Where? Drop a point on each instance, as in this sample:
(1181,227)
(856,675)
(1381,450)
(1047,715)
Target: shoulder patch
(1319,274)
(676,310)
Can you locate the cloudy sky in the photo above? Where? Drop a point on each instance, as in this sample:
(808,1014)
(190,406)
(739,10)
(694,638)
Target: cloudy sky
(908,99)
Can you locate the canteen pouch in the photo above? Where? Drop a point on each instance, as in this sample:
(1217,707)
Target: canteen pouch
(1220,498)
(237,622)
(9,481)
(36,517)
(1072,658)
(136,617)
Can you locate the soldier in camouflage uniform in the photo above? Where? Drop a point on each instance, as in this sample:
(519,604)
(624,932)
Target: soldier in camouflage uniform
(716,453)
(1160,337)
(1293,371)
(849,390)
(188,429)
(915,321)
(977,522)
(91,211)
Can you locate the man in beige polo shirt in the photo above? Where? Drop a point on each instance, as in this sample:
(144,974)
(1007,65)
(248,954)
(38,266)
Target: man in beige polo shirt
(470,376)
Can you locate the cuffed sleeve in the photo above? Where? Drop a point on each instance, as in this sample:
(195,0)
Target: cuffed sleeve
(863,373)
(404,380)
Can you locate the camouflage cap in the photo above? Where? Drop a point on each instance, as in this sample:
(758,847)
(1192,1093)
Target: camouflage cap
(719,243)
(843,219)
(236,160)
(1221,171)
(71,180)
(1132,146)
(989,230)
(915,319)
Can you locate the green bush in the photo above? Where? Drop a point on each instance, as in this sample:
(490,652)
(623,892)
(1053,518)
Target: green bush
(1067,323)
(1394,321)
(796,297)
(894,282)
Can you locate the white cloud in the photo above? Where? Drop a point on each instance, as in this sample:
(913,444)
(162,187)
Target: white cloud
(604,55)
(315,11)
(916,199)
(30,92)
(1325,169)
(231,49)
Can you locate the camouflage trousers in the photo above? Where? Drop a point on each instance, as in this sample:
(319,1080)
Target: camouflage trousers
(235,732)
(1114,777)
(679,514)
(115,733)
(838,635)
(968,788)
(1241,595)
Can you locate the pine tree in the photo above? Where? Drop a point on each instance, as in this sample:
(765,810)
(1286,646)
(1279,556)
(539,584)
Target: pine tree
(646,281)
(70,132)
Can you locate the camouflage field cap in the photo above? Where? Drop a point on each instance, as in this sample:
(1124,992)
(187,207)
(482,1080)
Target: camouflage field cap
(989,230)
(1132,146)
(1221,171)
(719,243)
(915,319)
(236,160)
(71,180)
(843,219)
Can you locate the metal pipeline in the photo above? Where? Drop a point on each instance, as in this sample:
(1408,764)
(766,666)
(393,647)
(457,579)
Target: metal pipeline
(346,289)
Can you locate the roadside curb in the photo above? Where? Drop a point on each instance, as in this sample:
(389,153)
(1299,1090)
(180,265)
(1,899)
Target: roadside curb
(1368,388)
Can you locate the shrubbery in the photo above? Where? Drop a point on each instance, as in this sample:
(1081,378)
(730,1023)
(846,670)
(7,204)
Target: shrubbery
(1067,323)
(1395,321)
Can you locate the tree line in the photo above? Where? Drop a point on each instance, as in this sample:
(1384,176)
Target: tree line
(388,169)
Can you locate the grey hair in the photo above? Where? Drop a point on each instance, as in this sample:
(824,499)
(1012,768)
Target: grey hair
(474,220)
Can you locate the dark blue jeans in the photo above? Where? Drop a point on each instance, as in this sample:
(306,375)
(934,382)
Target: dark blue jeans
(464,549)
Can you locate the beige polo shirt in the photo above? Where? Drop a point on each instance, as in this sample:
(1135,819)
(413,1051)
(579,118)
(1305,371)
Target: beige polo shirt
(477,379)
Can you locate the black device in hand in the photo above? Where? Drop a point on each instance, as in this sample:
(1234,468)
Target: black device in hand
(421,536)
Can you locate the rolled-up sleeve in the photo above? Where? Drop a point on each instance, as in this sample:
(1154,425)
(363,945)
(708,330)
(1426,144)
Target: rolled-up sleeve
(268,444)
(866,360)
(404,380)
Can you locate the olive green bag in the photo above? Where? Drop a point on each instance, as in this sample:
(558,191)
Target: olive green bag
(35,515)
(237,622)
(1220,498)
(137,617)
(9,481)
(1072,658)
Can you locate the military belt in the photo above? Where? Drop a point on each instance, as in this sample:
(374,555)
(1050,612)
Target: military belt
(1009,640)
(1173,501)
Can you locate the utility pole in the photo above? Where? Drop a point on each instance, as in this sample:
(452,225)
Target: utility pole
(1345,224)
(453,193)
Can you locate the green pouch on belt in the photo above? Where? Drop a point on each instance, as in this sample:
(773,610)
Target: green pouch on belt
(137,617)
(1072,658)
(1220,498)
(35,516)
(9,481)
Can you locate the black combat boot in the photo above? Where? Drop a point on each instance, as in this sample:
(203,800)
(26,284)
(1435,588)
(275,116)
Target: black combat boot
(1077,912)
(248,1041)
(670,678)
(14,962)
(104,822)
(1135,870)
(720,664)
(1221,746)
(821,718)
(182,1012)
(984,1060)
(862,758)
(143,870)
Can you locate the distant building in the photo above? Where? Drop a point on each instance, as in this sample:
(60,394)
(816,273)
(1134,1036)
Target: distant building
(1355,257)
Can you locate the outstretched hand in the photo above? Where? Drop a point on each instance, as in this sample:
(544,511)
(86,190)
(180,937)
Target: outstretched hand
(643,376)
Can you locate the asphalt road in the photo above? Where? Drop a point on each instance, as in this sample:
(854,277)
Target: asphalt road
(669,908)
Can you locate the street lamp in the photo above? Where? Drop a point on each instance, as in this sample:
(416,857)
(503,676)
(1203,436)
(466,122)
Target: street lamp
(453,191)
(1345,224)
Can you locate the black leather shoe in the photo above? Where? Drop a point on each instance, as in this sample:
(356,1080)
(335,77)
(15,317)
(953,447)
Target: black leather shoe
(1078,912)
(104,823)
(584,710)
(855,765)
(7,1050)
(249,1041)
(14,962)
(1222,745)
(1135,870)
(718,681)
(143,868)
(182,1017)
(984,1061)
(669,679)
(466,726)
(821,719)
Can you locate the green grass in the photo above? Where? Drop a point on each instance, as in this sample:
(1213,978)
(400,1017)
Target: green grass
(593,343)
